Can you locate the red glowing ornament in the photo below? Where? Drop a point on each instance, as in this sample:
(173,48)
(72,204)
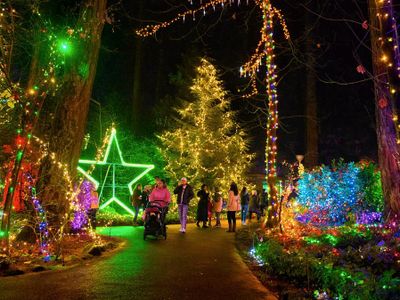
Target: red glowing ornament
(382,103)
(20,141)
(365,25)
(361,69)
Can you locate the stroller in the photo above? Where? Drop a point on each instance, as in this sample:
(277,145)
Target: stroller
(154,219)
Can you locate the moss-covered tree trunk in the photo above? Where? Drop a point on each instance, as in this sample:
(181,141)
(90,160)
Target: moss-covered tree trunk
(387,89)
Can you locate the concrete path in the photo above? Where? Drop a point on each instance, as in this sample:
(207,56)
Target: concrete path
(201,264)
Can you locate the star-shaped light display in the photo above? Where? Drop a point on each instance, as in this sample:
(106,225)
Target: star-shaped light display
(111,166)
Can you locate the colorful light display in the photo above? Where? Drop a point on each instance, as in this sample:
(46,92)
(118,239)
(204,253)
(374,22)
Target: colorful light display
(82,205)
(334,195)
(264,50)
(43,240)
(29,100)
(111,167)
(207,145)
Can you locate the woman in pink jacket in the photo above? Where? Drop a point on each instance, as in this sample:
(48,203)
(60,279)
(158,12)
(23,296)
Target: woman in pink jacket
(160,194)
(162,197)
(233,206)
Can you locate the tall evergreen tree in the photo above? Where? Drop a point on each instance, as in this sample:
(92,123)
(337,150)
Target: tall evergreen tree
(207,145)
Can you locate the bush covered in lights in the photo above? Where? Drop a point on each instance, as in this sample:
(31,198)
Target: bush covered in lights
(349,262)
(342,192)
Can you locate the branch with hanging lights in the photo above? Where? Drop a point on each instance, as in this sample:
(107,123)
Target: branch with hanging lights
(264,52)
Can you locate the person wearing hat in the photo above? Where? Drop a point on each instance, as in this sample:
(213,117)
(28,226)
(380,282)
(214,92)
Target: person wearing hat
(184,194)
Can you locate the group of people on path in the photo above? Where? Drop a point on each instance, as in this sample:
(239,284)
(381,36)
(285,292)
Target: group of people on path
(207,205)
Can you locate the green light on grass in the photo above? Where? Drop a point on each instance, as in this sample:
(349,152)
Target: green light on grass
(331,239)
(311,240)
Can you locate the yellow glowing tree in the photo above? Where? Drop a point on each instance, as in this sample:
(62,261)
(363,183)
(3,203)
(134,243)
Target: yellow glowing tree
(263,56)
(207,146)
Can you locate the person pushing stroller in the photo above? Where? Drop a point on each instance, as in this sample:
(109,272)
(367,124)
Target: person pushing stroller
(160,196)
(156,210)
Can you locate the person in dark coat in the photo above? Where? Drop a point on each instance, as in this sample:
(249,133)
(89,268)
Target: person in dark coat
(244,202)
(184,194)
(136,201)
(202,206)
(254,205)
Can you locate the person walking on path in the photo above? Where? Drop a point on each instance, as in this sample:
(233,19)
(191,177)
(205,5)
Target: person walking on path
(161,196)
(233,206)
(244,202)
(136,200)
(254,205)
(209,211)
(94,207)
(217,205)
(202,206)
(184,194)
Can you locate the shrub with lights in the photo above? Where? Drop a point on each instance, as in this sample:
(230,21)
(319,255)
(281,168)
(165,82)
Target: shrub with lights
(332,242)
(340,193)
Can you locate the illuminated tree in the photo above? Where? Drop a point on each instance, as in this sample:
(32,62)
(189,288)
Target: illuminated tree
(263,56)
(81,46)
(386,64)
(63,67)
(207,145)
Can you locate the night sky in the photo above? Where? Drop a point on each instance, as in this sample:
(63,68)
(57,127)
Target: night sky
(228,37)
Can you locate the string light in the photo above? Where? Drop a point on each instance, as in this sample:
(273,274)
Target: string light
(208,145)
(109,141)
(389,57)
(264,52)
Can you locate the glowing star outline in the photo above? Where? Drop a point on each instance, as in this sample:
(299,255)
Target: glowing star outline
(104,162)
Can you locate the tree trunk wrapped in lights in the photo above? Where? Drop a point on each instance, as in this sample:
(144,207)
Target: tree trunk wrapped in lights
(386,65)
(272,123)
(264,51)
(207,145)
(68,127)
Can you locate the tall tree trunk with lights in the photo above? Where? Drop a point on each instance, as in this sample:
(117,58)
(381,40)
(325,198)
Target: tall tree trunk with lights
(272,122)
(386,65)
(68,127)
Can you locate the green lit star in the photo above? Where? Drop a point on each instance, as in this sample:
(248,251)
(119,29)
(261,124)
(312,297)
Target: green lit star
(112,166)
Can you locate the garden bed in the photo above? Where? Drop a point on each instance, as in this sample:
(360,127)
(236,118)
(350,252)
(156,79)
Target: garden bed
(26,258)
(345,262)
(245,239)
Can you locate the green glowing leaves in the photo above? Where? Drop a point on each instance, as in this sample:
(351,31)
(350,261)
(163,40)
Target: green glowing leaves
(112,168)
(323,239)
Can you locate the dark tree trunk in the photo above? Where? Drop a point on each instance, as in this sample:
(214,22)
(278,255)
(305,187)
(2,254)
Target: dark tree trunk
(311,155)
(67,130)
(387,87)
(137,79)
(311,107)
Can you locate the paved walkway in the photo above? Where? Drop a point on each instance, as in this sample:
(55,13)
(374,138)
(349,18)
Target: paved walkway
(201,264)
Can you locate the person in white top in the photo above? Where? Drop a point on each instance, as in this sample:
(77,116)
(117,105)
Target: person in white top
(233,206)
